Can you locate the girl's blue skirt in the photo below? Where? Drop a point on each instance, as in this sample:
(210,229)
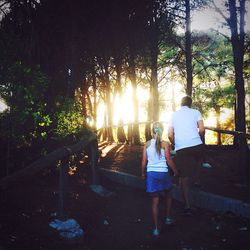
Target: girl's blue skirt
(158,182)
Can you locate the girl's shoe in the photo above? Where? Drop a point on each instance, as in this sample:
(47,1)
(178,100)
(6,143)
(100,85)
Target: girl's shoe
(169,221)
(156,232)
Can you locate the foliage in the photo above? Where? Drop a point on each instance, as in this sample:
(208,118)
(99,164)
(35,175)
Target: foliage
(213,98)
(101,43)
(23,90)
(68,117)
(27,126)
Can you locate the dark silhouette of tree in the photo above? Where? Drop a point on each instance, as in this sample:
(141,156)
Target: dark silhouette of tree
(236,23)
(188,48)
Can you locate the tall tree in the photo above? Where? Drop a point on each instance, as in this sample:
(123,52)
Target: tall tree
(236,23)
(188,49)
(154,40)
(118,68)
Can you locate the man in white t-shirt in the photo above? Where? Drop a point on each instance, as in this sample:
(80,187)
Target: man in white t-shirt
(186,129)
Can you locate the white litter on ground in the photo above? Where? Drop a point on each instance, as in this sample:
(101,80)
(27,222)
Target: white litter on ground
(69,229)
(206,165)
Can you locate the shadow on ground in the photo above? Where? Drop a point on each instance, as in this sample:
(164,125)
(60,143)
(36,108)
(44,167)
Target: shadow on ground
(122,221)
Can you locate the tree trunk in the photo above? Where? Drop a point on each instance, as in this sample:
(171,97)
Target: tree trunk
(237,40)
(84,108)
(154,82)
(132,76)
(148,131)
(120,131)
(188,50)
(218,125)
(94,98)
(108,104)
(150,116)
(89,111)
(154,52)
(105,129)
(136,135)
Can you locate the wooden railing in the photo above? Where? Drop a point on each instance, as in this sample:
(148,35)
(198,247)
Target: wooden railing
(90,141)
(62,154)
(241,146)
(236,134)
(239,141)
(103,133)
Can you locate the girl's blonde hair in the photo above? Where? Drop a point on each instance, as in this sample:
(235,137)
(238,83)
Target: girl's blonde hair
(157,130)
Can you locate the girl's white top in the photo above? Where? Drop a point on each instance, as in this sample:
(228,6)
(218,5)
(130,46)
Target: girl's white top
(156,162)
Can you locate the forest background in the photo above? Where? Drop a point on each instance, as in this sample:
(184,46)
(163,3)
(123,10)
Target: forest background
(68,67)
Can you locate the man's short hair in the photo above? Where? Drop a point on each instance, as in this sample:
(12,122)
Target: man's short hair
(186,101)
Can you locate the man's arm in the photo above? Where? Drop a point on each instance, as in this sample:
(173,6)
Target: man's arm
(169,159)
(201,128)
(171,134)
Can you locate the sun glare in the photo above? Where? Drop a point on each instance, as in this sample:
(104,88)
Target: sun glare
(123,107)
(100,115)
(210,121)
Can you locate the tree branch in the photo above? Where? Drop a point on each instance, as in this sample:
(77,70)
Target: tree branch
(220,12)
(218,32)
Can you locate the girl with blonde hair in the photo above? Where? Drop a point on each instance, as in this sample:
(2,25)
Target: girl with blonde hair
(156,159)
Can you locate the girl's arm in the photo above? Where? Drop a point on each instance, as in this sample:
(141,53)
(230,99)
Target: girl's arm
(169,158)
(144,162)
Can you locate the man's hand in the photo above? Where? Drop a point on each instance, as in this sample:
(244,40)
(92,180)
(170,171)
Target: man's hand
(175,172)
(171,135)
(143,176)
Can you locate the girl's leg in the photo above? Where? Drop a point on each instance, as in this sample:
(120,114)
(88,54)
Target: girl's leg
(155,210)
(168,203)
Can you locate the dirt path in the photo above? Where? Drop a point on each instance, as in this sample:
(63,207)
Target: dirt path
(222,178)
(119,222)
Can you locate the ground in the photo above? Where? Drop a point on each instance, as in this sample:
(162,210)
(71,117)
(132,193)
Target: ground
(223,178)
(122,221)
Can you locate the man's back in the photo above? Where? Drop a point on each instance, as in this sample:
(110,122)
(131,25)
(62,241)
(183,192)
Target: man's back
(185,125)
(185,128)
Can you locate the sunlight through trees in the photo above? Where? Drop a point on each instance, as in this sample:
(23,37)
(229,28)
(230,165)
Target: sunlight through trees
(103,63)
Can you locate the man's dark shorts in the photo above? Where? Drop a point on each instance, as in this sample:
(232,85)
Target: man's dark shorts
(187,160)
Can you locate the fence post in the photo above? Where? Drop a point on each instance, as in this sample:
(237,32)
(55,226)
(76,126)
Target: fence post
(62,186)
(218,139)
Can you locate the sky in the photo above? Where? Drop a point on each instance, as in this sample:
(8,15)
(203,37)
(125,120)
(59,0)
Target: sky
(209,18)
